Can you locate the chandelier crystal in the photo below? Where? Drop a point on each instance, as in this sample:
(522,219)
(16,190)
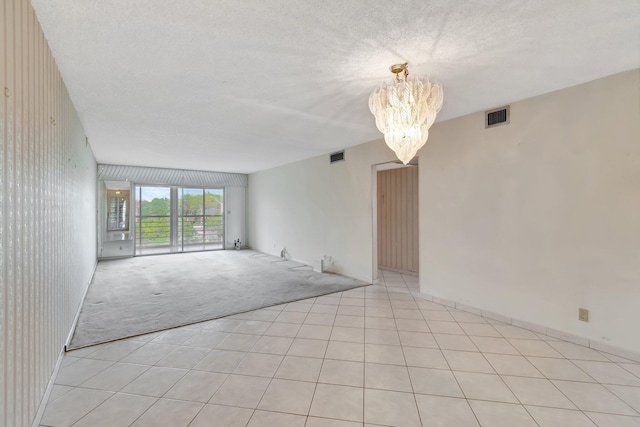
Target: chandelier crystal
(405,110)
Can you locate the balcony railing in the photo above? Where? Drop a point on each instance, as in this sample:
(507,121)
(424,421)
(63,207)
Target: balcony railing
(195,232)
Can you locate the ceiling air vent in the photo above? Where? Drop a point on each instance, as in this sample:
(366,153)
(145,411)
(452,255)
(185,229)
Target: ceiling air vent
(497,117)
(336,157)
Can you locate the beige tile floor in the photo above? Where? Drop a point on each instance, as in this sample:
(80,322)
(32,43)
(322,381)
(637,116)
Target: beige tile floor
(375,356)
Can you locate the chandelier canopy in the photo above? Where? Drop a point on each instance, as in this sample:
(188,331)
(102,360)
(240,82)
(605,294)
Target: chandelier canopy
(405,110)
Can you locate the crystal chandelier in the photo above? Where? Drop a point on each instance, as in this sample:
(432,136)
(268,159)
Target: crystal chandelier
(405,110)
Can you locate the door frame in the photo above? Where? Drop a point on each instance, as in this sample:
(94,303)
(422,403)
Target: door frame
(374,209)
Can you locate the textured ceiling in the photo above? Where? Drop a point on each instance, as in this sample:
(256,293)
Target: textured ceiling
(245,85)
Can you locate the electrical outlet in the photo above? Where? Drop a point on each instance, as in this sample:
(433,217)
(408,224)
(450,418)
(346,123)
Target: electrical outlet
(583,314)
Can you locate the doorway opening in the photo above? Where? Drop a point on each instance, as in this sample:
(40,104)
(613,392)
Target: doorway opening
(178,219)
(396,241)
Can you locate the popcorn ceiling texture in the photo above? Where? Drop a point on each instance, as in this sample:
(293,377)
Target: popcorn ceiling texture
(242,86)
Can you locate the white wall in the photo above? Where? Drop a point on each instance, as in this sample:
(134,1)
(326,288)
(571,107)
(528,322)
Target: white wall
(314,209)
(235,208)
(531,220)
(540,217)
(47,214)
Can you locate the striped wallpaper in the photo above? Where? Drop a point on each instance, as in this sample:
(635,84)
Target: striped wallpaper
(47,213)
(398,219)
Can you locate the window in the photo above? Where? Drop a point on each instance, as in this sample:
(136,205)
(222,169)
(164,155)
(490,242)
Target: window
(118,210)
(178,219)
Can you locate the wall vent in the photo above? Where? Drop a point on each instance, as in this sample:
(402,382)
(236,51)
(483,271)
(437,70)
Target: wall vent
(336,157)
(496,117)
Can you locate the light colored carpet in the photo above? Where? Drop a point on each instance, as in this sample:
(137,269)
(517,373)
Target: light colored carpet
(136,296)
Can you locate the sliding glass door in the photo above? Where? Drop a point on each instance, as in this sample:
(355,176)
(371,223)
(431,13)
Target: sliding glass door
(200,219)
(153,220)
(176,219)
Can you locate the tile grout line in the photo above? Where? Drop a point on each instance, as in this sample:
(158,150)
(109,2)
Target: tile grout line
(496,372)
(390,297)
(280,364)
(455,378)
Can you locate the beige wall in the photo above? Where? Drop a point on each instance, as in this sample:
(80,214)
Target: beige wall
(531,220)
(314,209)
(47,214)
(538,218)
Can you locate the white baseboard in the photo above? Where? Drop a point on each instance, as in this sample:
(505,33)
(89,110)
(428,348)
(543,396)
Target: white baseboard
(47,391)
(566,336)
(75,319)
